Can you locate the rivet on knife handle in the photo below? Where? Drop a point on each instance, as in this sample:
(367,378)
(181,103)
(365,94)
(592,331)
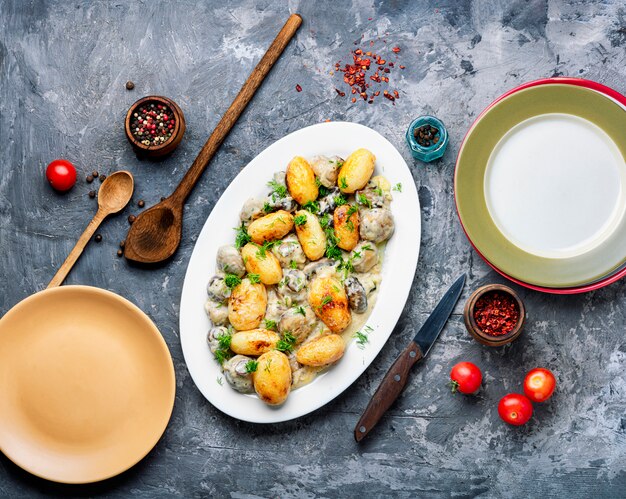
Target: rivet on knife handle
(390,388)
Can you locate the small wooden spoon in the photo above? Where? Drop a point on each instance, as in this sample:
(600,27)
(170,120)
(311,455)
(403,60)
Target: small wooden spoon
(155,233)
(115,193)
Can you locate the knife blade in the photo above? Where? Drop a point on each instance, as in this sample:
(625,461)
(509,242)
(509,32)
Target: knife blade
(396,378)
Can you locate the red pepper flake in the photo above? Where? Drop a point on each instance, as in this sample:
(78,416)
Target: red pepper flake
(496,313)
(341,94)
(396,50)
(353,99)
(298,88)
(402,67)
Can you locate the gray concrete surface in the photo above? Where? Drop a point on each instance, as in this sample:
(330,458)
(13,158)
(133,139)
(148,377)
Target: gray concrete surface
(63,65)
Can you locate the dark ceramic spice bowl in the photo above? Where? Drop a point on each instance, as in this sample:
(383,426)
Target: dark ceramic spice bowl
(178,130)
(473,328)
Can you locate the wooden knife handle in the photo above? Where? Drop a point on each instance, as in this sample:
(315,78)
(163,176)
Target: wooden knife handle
(390,388)
(237,107)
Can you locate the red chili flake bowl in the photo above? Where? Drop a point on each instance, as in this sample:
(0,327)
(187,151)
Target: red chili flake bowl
(495,294)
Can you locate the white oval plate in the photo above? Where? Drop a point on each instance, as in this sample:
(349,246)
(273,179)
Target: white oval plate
(400,261)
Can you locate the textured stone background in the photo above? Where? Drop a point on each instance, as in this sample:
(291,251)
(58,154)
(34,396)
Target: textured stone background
(63,66)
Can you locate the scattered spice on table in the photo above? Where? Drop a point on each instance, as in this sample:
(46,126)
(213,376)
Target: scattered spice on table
(367,70)
(152,124)
(130,85)
(102,177)
(426,135)
(89,179)
(141,203)
(120,252)
(95,174)
(131,218)
(98,238)
(496,313)
(122,244)
(92,194)
(298,88)
(162,198)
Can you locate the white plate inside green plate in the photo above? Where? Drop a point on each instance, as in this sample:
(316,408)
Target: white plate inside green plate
(540,185)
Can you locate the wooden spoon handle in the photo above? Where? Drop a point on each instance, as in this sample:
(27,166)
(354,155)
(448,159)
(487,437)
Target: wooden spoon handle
(237,107)
(389,390)
(77,250)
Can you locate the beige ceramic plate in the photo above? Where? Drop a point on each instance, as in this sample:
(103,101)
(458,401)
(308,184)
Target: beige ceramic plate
(86,384)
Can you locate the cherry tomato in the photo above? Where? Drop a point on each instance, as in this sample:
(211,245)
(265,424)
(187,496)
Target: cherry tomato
(539,384)
(61,174)
(515,409)
(466,378)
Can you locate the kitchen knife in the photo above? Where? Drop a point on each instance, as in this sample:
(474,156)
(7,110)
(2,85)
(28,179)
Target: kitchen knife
(396,378)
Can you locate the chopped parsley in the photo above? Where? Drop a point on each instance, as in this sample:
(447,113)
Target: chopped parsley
(299,220)
(362,199)
(363,336)
(223,353)
(277,189)
(293,264)
(254,278)
(300,309)
(397,187)
(318,183)
(378,191)
(267,366)
(242,238)
(287,342)
(340,200)
(367,247)
(267,207)
(312,206)
(351,211)
(231,280)
(219,380)
(263,248)
(326,300)
(343,183)
(324,191)
(252,366)
(269,324)
(325,221)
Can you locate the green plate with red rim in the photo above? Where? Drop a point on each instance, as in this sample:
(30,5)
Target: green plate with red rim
(540,185)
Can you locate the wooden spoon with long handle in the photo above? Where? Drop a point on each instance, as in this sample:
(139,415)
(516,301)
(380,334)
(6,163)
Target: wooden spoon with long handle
(155,233)
(114,193)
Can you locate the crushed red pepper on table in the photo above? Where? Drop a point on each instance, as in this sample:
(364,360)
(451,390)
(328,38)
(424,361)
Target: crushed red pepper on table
(360,78)
(496,314)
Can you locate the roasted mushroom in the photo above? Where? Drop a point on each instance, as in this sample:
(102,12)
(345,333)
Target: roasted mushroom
(292,285)
(236,373)
(326,169)
(372,196)
(212,338)
(275,306)
(376,224)
(229,261)
(217,289)
(357,297)
(289,250)
(299,321)
(364,256)
(323,266)
(328,203)
(252,209)
(217,312)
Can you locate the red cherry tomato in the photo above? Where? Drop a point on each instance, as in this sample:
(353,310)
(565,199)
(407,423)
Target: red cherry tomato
(61,174)
(539,384)
(466,378)
(515,409)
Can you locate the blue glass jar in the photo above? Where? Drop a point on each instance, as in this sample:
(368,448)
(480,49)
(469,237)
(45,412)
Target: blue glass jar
(434,151)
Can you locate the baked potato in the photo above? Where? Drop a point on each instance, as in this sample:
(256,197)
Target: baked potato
(272,378)
(329,301)
(356,171)
(270,227)
(254,342)
(300,179)
(346,223)
(311,235)
(246,305)
(321,351)
(263,262)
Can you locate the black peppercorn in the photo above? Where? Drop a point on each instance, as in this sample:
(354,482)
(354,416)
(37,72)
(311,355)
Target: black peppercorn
(120,252)
(122,244)
(130,85)
(98,238)
(131,218)
(103,177)
(92,194)
(89,179)
(141,203)
(94,174)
